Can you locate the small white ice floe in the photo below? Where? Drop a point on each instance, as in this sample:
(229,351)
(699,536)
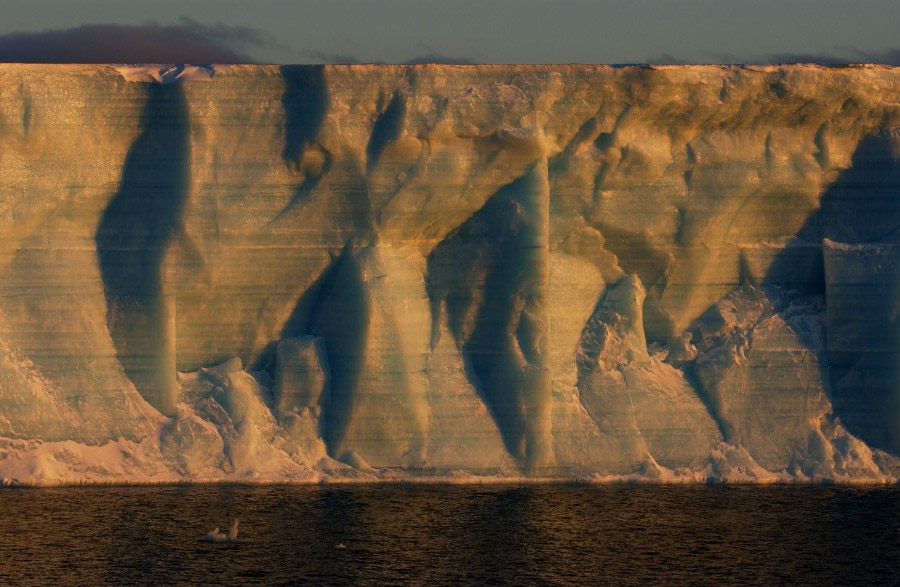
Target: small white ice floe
(216,536)
(341,546)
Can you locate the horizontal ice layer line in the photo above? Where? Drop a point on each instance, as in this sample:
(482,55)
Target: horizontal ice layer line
(379,272)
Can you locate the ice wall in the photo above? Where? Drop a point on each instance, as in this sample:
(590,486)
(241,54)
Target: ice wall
(260,272)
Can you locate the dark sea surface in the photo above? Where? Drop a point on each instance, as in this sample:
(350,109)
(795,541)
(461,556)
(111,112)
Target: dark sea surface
(445,534)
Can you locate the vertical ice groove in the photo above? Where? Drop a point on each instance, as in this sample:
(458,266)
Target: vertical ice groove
(372,317)
(339,316)
(534,338)
(305,103)
(386,129)
(134,233)
(499,314)
(854,236)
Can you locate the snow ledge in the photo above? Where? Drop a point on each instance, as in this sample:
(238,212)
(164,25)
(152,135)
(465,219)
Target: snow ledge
(167,74)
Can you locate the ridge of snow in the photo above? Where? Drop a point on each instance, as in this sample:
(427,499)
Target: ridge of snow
(167,74)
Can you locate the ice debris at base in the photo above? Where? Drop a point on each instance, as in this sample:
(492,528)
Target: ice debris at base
(226,432)
(363,273)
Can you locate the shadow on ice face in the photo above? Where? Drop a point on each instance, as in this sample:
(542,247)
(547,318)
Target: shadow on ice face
(856,268)
(132,238)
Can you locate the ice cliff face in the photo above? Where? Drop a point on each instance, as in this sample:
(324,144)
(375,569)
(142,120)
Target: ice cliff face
(373,272)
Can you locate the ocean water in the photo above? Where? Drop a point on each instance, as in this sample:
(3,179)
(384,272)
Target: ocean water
(445,534)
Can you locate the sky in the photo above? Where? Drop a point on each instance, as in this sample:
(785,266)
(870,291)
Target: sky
(458,31)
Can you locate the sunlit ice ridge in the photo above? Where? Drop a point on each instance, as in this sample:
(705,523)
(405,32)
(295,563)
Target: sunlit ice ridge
(437,272)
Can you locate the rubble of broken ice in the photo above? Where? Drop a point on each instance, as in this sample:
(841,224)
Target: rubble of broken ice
(674,274)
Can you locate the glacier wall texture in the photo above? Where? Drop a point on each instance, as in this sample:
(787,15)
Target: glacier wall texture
(380,272)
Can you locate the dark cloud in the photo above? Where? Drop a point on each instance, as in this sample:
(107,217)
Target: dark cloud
(186,42)
(344,58)
(439,58)
(709,57)
(666,59)
(323,57)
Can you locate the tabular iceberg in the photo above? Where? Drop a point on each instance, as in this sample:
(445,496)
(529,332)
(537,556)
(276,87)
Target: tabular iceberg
(315,273)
